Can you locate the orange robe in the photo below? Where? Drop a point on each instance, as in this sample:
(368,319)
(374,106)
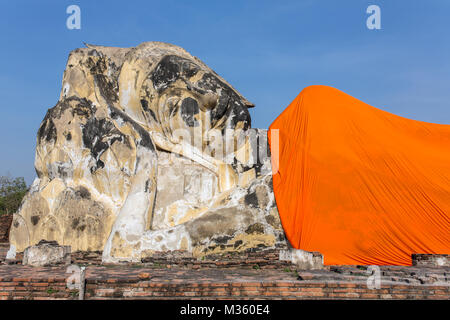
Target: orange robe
(358,184)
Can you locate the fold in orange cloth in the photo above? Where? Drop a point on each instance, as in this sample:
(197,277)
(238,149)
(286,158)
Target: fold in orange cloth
(358,184)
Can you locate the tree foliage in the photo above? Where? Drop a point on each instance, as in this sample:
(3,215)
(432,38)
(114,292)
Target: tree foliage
(12,192)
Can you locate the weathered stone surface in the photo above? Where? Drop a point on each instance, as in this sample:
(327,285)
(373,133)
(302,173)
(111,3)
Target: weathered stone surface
(46,253)
(431,260)
(304,260)
(148,150)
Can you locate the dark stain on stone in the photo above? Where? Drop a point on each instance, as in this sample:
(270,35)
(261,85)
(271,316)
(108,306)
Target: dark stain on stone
(237,113)
(238,243)
(98,136)
(271,220)
(75,223)
(38,173)
(100,164)
(144,105)
(229,107)
(107,88)
(251,200)
(48,242)
(47,130)
(222,239)
(189,69)
(170,69)
(189,108)
(99,66)
(255,228)
(210,82)
(145,141)
(166,72)
(146,108)
(84,107)
(62,170)
(81,107)
(83,193)
(281,237)
(96,65)
(35,220)
(147,185)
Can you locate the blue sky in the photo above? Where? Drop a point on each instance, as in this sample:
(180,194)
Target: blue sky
(268,50)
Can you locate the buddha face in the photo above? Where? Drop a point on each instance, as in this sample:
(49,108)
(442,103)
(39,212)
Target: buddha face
(181,98)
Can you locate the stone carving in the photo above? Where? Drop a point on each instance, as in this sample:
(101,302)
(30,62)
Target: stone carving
(304,260)
(46,253)
(148,150)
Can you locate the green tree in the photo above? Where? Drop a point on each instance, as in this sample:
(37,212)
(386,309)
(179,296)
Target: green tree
(12,192)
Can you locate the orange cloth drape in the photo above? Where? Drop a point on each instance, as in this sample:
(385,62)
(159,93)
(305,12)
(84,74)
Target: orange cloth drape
(358,184)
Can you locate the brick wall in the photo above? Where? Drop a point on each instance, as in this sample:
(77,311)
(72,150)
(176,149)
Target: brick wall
(125,282)
(259,290)
(35,289)
(54,289)
(5,224)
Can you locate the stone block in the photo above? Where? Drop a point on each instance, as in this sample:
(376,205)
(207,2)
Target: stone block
(47,253)
(304,260)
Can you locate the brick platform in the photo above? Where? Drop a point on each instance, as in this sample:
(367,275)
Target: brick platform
(137,282)
(248,276)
